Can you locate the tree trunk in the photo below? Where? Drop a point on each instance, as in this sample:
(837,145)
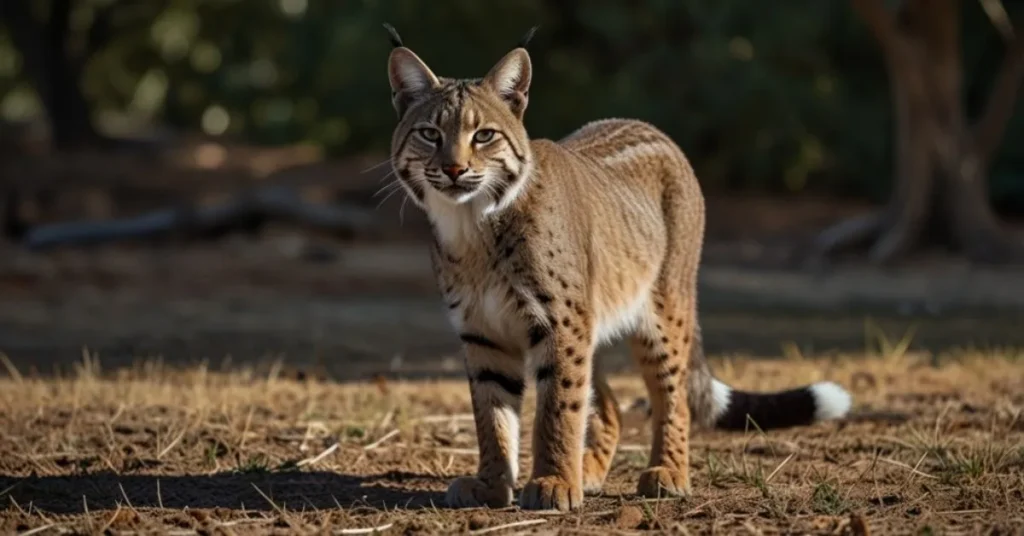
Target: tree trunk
(52,71)
(940,193)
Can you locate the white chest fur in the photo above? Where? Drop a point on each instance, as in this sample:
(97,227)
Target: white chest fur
(457,226)
(490,302)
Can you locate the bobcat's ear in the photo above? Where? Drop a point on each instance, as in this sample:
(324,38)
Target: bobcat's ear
(409,78)
(510,79)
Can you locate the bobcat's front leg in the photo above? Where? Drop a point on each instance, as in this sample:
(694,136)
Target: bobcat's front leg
(496,385)
(563,371)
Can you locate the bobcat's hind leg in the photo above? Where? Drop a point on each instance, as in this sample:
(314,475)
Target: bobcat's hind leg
(603,428)
(662,349)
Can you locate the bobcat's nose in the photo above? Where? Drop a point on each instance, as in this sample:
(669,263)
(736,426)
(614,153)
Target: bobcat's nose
(454,171)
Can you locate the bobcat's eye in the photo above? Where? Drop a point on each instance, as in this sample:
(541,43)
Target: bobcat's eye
(483,136)
(429,134)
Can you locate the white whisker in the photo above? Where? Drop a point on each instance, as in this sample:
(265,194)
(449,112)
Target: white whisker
(375,166)
(397,188)
(386,187)
(401,211)
(387,176)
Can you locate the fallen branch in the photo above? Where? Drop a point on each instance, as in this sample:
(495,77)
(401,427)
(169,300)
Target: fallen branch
(248,210)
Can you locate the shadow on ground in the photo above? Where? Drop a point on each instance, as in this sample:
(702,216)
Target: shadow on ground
(237,491)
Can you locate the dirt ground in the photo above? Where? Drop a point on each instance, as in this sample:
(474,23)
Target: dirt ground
(932,446)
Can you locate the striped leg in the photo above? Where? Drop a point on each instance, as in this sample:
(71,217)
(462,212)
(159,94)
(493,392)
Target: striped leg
(496,385)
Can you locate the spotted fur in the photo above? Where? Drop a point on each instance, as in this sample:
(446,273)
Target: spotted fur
(543,250)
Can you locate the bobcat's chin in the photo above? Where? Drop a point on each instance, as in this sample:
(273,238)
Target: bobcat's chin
(463,191)
(459,194)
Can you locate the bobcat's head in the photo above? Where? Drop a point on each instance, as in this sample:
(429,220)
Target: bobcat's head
(460,141)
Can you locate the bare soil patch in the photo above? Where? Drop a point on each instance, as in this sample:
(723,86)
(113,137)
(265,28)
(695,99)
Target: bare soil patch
(933,443)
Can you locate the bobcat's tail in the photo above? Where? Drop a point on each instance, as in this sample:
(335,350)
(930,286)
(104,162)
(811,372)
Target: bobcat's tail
(716,405)
(739,410)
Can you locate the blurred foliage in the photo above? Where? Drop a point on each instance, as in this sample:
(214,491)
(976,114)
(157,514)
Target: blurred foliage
(763,96)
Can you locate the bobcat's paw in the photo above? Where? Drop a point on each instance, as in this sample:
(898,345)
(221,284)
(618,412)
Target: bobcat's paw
(471,492)
(551,493)
(663,482)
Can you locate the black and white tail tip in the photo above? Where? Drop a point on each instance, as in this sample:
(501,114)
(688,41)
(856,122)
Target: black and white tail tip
(740,410)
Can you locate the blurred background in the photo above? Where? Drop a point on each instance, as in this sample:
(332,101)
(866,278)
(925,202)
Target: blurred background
(193,180)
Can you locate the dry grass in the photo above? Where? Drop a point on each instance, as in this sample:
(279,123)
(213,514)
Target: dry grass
(933,444)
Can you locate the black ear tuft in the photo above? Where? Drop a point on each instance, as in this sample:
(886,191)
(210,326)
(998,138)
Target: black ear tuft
(526,38)
(396,40)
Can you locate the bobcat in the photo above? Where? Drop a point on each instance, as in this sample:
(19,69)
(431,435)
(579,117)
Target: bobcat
(544,250)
